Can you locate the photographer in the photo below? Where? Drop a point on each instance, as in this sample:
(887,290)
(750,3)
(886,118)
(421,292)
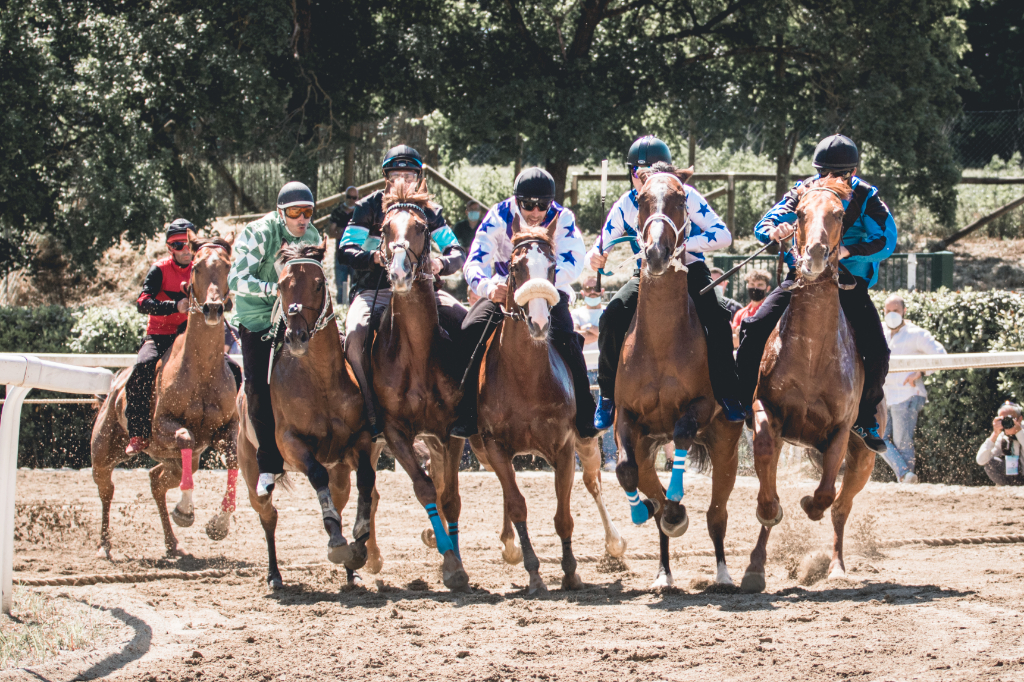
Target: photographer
(1000,453)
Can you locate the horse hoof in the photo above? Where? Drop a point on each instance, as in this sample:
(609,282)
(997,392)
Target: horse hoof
(616,547)
(351,556)
(537,585)
(338,551)
(752,582)
(677,529)
(663,580)
(770,522)
(722,577)
(453,574)
(512,556)
(374,563)
(806,503)
(217,527)
(274,582)
(571,582)
(176,553)
(181,519)
(103,553)
(355,580)
(428,538)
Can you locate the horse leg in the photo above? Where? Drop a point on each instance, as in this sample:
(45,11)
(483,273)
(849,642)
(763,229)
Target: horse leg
(590,459)
(218,526)
(480,450)
(511,552)
(263,507)
(452,573)
(353,556)
(651,486)
(564,461)
(450,499)
(374,562)
(184,514)
(769,510)
(723,448)
(825,494)
(674,520)
(515,510)
(161,479)
(627,472)
(860,462)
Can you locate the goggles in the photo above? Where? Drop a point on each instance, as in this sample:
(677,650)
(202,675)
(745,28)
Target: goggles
(178,245)
(534,204)
(296,211)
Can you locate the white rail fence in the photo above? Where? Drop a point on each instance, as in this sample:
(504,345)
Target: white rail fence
(84,373)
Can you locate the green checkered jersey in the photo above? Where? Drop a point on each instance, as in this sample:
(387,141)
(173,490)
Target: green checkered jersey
(253,278)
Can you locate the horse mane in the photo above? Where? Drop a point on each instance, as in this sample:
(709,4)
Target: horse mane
(530,233)
(832,182)
(289,252)
(684,174)
(198,243)
(405,193)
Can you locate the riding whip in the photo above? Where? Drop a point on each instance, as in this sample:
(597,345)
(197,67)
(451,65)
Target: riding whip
(735,268)
(600,227)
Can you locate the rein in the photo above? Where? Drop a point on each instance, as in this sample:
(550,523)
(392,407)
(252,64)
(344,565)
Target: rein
(193,302)
(801,282)
(278,314)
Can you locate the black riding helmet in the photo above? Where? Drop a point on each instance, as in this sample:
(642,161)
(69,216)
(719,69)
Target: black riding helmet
(402,157)
(836,153)
(534,183)
(179,227)
(647,151)
(295,194)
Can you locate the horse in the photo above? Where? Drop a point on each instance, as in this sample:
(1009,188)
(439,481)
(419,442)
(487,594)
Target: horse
(663,392)
(193,406)
(810,381)
(526,405)
(318,408)
(413,375)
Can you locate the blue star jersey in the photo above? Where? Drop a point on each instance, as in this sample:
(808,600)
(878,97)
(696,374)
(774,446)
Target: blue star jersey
(489,256)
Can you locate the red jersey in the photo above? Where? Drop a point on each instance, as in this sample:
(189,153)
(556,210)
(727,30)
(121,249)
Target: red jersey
(161,291)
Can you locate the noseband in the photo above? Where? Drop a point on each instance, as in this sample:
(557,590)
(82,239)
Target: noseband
(800,258)
(680,248)
(278,314)
(193,302)
(418,261)
(519,314)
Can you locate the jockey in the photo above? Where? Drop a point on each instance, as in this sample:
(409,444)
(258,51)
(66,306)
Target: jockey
(164,301)
(869,237)
(707,233)
(253,280)
(487,271)
(358,249)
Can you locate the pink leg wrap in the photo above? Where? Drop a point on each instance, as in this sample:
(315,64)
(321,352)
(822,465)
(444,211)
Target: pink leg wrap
(186,469)
(228,503)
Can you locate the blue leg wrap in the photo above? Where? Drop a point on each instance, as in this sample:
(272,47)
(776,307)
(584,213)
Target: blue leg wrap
(444,543)
(637,509)
(675,486)
(453,534)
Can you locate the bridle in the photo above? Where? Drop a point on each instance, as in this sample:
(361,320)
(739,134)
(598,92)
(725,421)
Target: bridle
(278,315)
(676,230)
(193,302)
(517,313)
(799,258)
(418,261)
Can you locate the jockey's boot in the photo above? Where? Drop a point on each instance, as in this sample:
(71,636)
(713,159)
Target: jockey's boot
(465,413)
(733,409)
(869,434)
(604,416)
(570,346)
(136,444)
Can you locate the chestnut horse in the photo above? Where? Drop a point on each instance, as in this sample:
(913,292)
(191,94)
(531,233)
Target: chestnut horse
(526,405)
(318,408)
(416,385)
(193,406)
(810,381)
(664,390)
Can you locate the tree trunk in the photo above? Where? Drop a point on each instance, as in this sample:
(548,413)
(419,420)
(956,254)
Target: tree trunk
(559,169)
(350,156)
(783,164)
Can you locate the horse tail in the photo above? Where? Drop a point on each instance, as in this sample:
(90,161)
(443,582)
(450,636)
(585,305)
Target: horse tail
(286,482)
(698,459)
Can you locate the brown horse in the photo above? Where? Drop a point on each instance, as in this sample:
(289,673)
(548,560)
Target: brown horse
(193,405)
(318,410)
(526,405)
(417,390)
(664,391)
(810,381)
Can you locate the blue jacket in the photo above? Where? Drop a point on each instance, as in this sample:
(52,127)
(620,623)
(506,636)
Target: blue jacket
(869,232)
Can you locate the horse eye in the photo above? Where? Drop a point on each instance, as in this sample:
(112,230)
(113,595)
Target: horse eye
(319,284)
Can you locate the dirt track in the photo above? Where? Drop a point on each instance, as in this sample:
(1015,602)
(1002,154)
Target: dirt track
(909,613)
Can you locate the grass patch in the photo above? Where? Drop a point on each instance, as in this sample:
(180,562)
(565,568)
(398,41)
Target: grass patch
(41,626)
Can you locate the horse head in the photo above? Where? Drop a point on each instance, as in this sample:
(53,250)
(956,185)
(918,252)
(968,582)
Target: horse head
(404,234)
(532,274)
(208,284)
(819,232)
(302,286)
(663,217)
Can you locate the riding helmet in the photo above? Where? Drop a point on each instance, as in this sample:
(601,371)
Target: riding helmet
(178,228)
(295,194)
(402,157)
(647,151)
(836,153)
(534,183)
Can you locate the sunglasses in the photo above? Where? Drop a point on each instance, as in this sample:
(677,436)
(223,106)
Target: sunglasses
(353,197)
(296,211)
(177,246)
(534,204)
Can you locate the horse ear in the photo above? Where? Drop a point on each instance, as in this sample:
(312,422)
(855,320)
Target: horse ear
(643,173)
(552,226)
(516,225)
(685,174)
(191,240)
(230,240)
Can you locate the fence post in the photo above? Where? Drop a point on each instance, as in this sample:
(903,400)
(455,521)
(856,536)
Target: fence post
(10,421)
(911,271)
(575,194)
(942,270)
(730,211)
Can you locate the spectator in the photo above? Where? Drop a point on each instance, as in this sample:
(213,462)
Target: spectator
(465,229)
(1000,453)
(340,217)
(731,305)
(586,320)
(759,283)
(904,391)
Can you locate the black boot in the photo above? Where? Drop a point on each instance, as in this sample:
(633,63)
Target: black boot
(465,414)
(570,347)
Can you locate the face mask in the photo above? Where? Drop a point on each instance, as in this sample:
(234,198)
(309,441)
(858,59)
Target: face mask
(473,215)
(756,294)
(592,301)
(893,320)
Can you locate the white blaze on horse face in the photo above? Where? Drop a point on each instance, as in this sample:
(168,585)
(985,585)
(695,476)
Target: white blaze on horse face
(401,223)
(816,233)
(537,265)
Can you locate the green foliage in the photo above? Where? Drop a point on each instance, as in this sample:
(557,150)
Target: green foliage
(35,330)
(962,403)
(107,330)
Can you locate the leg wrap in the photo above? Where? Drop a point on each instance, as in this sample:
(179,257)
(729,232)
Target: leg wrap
(453,535)
(568,560)
(444,543)
(638,510)
(327,508)
(186,468)
(228,503)
(530,561)
(675,486)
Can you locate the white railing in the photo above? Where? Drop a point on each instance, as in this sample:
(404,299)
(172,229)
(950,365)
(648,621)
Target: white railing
(22,373)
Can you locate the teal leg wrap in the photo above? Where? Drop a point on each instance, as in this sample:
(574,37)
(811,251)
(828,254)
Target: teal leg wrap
(453,534)
(444,543)
(675,486)
(637,509)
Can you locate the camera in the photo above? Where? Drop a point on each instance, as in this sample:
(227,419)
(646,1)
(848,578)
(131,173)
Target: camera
(1007,423)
